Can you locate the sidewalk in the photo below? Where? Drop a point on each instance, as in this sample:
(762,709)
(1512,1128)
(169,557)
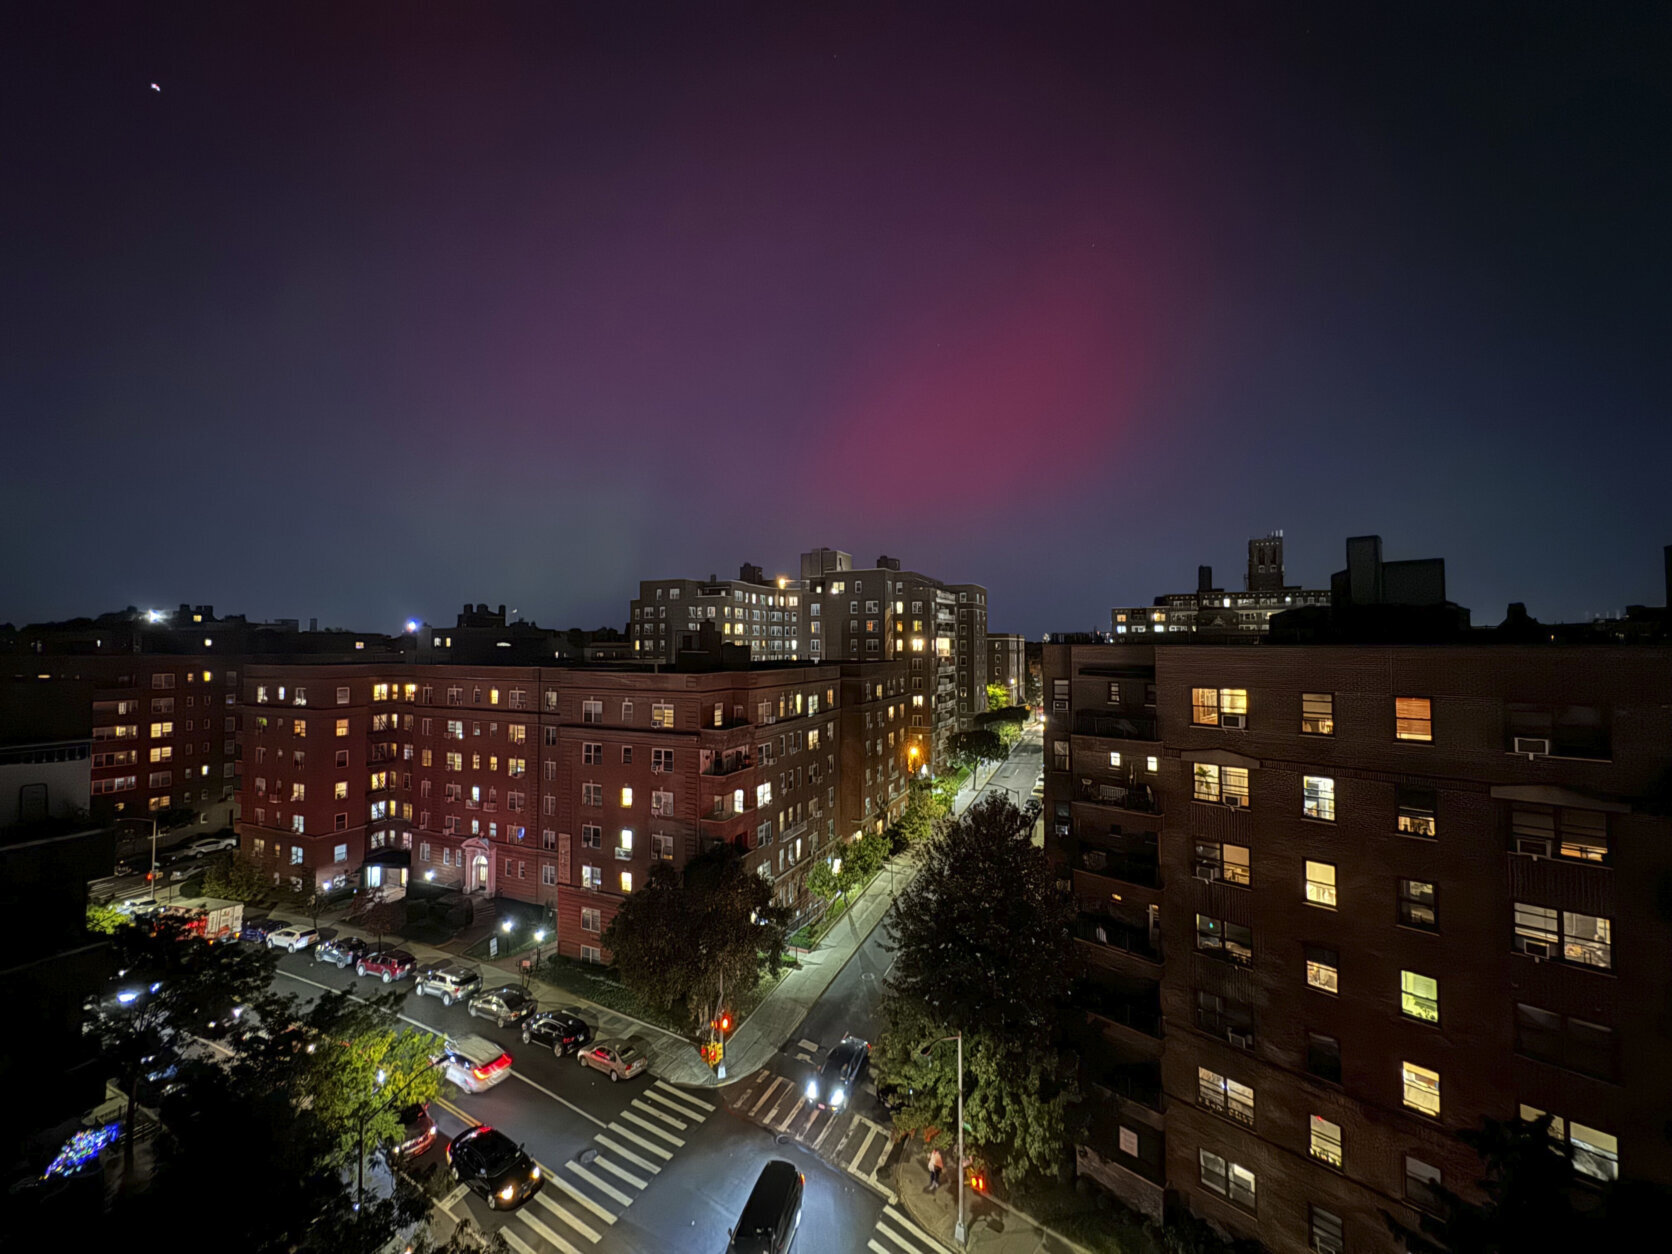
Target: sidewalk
(993,1227)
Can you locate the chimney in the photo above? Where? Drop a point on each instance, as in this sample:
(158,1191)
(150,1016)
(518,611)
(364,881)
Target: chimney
(313,624)
(1204,580)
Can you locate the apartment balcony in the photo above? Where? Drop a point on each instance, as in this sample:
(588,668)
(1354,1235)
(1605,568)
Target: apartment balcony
(1233,1024)
(1114,939)
(1135,1013)
(1140,1084)
(1132,798)
(1142,870)
(1115,726)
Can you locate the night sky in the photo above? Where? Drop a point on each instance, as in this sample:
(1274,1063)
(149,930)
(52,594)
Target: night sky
(375,309)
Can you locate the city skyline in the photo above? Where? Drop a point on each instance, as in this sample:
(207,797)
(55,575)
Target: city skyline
(358,322)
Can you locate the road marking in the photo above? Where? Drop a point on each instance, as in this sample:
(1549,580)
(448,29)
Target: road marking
(589,1233)
(893,1213)
(853,1126)
(897,1238)
(546,1234)
(628,1176)
(455,1111)
(597,1182)
(803,1058)
(777,1105)
(864,1149)
(636,1139)
(766,1097)
(517,1243)
(812,1047)
(829,1124)
(692,1098)
(571,1105)
(673,1106)
(871,1123)
(790,1118)
(627,1154)
(759,1076)
(455,1197)
(580,1197)
(872,1245)
(669,1137)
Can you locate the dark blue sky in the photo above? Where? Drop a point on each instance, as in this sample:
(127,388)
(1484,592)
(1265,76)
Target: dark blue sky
(370,312)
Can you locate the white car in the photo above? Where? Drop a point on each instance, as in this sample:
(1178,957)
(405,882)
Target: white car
(211,844)
(473,1062)
(294,939)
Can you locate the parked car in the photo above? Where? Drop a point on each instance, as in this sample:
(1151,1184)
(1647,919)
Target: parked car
(451,983)
(418,1134)
(261,929)
(159,1075)
(563,1031)
(621,1059)
(390,964)
(835,1082)
(212,844)
(506,1004)
(474,1063)
(344,951)
(294,938)
(489,1163)
(141,907)
(772,1215)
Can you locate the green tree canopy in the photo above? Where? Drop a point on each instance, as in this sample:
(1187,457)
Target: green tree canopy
(679,940)
(998,696)
(236,877)
(980,745)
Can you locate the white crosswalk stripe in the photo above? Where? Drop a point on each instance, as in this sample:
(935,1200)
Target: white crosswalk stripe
(546,1234)
(645,1108)
(766,1096)
(894,1215)
(518,1244)
(691,1099)
(621,1172)
(599,1183)
(638,1140)
(597,1209)
(811,1047)
(651,1128)
(581,1226)
(628,1154)
(652,1096)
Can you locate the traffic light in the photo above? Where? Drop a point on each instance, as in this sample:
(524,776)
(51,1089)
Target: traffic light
(725,1021)
(978,1180)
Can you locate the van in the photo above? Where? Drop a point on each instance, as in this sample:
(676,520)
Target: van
(772,1215)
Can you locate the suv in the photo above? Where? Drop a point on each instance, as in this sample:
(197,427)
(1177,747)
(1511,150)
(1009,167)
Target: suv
(391,964)
(506,1004)
(451,983)
(772,1214)
(563,1030)
(491,1164)
(474,1063)
(343,951)
(835,1082)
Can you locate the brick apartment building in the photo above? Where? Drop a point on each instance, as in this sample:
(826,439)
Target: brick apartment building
(764,615)
(1341,901)
(559,787)
(1007,664)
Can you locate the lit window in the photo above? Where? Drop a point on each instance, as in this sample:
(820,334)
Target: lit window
(1417,906)
(1208,706)
(1323,968)
(339,790)
(1597,1154)
(1326,1140)
(1588,939)
(1535,930)
(1114,755)
(1416,812)
(1152,765)
(1317,713)
(1422,1088)
(1207,781)
(626,881)
(1419,996)
(1413,718)
(626,797)
(1320,884)
(342,727)
(1318,797)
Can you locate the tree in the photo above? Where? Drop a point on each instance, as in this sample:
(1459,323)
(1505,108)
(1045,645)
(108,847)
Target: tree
(976,746)
(982,946)
(237,877)
(105,919)
(998,696)
(379,917)
(1531,1198)
(822,880)
(679,941)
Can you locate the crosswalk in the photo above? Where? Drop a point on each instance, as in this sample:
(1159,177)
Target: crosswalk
(586,1195)
(895,1233)
(855,1143)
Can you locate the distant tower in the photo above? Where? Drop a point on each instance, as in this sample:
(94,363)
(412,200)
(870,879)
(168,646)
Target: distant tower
(1265,563)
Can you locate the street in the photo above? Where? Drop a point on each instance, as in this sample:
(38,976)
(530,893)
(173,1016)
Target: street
(647,1166)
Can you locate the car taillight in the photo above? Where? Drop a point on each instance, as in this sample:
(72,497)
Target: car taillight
(498,1064)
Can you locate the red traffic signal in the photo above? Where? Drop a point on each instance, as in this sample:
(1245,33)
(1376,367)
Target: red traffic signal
(978,1182)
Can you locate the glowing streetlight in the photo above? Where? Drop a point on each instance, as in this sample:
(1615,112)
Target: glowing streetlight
(507,926)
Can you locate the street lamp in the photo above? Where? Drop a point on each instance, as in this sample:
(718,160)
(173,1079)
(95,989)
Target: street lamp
(371,1109)
(960,1233)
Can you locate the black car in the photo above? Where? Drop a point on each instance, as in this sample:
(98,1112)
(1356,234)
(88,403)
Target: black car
(772,1214)
(344,951)
(835,1082)
(563,1031)
(418,1132)
(493,1165)
(259,929)
(506,1004)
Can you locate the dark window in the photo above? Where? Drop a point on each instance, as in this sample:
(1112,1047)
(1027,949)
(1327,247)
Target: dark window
(1564,1041)
(1574,731)
(1327,1233)
(1418,905)
(1323,1057)
(1421,1184)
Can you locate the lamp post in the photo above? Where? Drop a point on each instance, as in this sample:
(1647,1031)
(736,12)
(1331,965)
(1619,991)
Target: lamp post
(960,1233)
(372,1108)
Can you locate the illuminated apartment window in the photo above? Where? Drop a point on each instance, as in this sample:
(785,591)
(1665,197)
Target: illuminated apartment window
(626,797)
(626,881)
(1413,718)
(1416,812)
(1419,996)
(1208,706)
(1323,968)
(1588,939)
(1421,1088)
(1326,1140)
(1318,797)
(1417,905)
(1320,884)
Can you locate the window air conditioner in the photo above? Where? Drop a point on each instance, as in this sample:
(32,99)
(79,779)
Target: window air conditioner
(1539,949)
(1532,846)
(1205,874)
(1533,747)
(1242,1040)
(1234,800)
(1238,721)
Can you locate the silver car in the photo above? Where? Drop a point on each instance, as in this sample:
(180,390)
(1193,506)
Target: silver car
(622,1060)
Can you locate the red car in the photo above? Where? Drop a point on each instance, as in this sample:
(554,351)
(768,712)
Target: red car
(390,964)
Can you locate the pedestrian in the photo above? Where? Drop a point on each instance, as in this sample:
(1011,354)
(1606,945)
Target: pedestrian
(936,1165)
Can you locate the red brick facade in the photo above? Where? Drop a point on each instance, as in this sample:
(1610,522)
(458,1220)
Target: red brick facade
(1380,900)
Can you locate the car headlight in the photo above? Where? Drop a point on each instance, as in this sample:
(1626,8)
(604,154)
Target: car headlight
(535,1174)
(836,1097)
(507,1193)
(812,1090)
